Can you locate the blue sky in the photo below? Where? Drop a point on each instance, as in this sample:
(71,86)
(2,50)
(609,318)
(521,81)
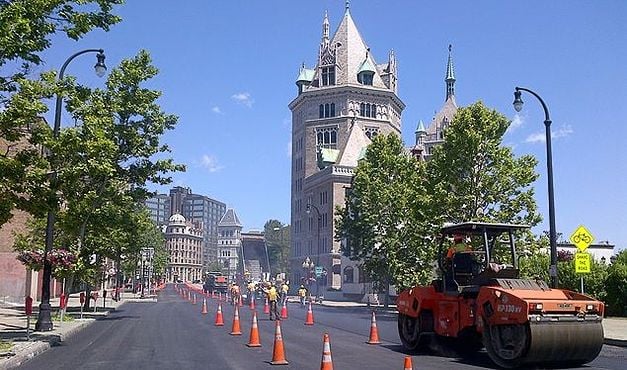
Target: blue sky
(227,69)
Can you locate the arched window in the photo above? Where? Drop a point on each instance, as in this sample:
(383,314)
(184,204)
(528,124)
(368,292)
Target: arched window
(348,275)
(374,111)
(367,114)
(321,112)
(333,137)
(326,110)
(362,109)
(327,138)
(332,110)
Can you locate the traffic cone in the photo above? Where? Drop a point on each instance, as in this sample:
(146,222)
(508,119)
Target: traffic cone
(194,298)
(220,296)
(309,319)
(204,306)
(374,333)
(253,340)
(252,303)
(284,311)
(219,318)
(408,365)
(240,301)
(235,329)
(266,307)
(327,362)
(278,353)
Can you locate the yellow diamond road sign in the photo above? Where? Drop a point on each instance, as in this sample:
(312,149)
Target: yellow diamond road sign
(582,263)
(582,238)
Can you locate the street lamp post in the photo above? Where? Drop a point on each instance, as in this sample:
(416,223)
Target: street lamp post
(308,210)
(44,322)
(308,266)
(518,104)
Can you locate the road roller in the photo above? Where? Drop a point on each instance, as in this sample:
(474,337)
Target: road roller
(479,300)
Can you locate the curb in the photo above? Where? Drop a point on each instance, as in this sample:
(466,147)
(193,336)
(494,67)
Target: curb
(36,348)
(615,342)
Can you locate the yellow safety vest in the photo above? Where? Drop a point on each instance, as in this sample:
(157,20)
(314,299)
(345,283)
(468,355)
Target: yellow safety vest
(272,295)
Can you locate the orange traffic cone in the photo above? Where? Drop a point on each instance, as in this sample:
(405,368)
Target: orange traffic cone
(284,311)
(252,303)
(327,362)
(374,333)
(240,301)
(266,307)
(309,319)
(193,298)
(219,318)
(278,353)
(408,365)
(235,329)
(253,340)
(204,306)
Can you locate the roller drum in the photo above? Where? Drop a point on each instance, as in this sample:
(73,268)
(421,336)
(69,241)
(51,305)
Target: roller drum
(564,342)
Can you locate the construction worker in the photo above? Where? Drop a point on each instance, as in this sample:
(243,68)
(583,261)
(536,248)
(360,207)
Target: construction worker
(302,294)
(234,294)
(458,246)
(273,297)
(285,288)
(251,291)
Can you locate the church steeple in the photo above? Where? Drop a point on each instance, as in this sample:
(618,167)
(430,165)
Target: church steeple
(450,75)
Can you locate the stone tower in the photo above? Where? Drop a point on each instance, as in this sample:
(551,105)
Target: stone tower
(343,101)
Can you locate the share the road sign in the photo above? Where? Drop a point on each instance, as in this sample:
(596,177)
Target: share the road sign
(582,263)
(582,238)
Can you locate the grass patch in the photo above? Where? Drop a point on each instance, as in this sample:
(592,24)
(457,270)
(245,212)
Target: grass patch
(5,346)
(66,317)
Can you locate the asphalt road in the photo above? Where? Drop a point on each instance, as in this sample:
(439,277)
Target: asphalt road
(172,334)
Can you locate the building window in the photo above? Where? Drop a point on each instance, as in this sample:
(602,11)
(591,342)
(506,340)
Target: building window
(326,110)
(368,110)
(326,137)
(348,275)
(328,76)
(371,132)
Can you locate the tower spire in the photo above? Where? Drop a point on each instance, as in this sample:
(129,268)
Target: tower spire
(450,75)
(347,5)
(325,29)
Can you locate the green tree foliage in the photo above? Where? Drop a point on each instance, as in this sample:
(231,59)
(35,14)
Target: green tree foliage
(384,221)
(616,286)
(472,176)
(26,29)
(277,236)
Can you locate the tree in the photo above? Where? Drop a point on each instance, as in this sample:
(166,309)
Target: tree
(616,286)
(384,221)
(473,177)
(26,28)
(277,238)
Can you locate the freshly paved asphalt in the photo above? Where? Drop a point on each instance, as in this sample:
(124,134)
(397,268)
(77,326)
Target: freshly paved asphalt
(172,334)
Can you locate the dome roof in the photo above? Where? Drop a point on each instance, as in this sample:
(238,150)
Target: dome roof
(177,219)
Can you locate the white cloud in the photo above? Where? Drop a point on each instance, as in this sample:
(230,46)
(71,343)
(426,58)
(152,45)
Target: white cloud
(540,137)
(289,149)
(216,110)
(517,121)
(243,98)
(210,163)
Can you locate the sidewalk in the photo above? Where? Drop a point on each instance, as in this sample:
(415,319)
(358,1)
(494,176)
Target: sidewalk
(13,327)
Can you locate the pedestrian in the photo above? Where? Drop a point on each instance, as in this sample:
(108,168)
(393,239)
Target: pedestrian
(285,288)
(273,297)
(302,294)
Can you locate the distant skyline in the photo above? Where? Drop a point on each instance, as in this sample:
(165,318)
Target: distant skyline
(228,70)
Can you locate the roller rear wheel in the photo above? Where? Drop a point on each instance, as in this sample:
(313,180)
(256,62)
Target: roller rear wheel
(507,345)
(411,328)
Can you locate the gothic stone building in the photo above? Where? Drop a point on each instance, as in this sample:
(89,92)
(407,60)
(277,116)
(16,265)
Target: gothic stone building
(343,101)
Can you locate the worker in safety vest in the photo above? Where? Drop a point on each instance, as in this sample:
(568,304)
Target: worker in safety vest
(273,297)
(458,246)
(285,288)
(302,294)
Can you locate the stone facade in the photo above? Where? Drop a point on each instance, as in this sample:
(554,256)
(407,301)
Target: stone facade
(183,242)
(344,101)
(230,252)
